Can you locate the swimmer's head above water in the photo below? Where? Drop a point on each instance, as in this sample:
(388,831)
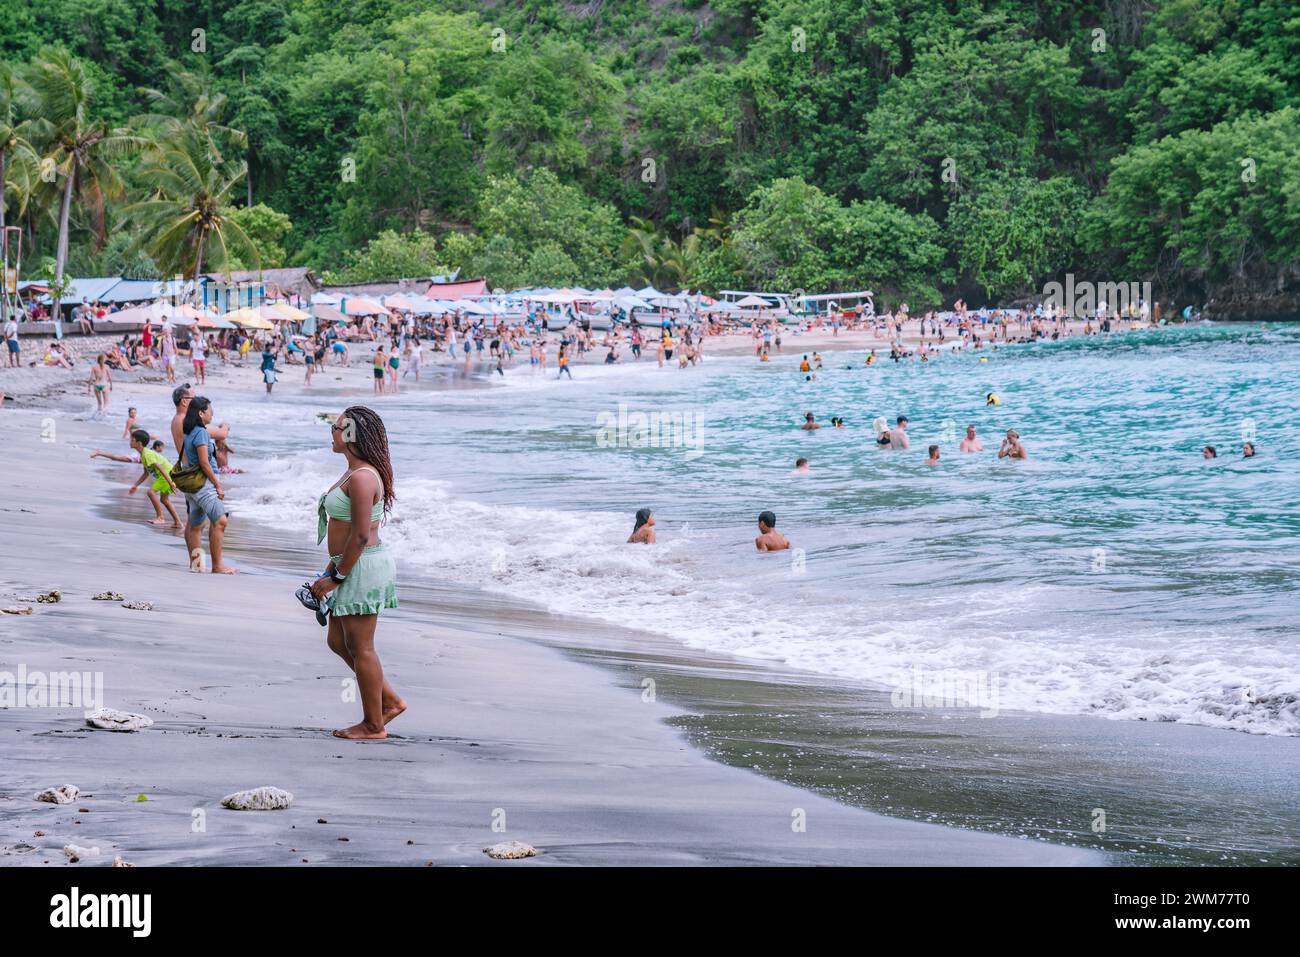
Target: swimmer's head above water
(766,521)
(644,516)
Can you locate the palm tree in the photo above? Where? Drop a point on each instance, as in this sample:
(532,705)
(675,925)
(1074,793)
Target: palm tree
(77,148)
(184,219)
(656,258)
(14,142)
(190,102)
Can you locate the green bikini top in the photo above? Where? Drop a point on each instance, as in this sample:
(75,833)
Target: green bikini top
(336,504)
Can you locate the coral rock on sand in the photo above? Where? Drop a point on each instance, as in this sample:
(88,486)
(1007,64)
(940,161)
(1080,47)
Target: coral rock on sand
(61,795)
(510,851)
(16,610)
(107,596)
(258,799)
(75,852)
(138,605)
(50,597)
(108,719)
(118,862)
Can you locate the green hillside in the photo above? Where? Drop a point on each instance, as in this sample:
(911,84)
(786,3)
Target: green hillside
(923,149)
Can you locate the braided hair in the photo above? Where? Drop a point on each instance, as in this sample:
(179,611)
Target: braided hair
(369,441)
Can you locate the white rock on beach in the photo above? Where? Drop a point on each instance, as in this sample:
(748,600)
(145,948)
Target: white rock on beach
(258,799)
(108,719)
(137,605)
(118,862)
(61,795)
(76,852)
(510,851)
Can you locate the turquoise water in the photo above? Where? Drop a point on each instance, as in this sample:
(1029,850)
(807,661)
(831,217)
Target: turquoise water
(1114,573)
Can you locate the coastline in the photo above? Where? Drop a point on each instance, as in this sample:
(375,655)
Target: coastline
(243,693)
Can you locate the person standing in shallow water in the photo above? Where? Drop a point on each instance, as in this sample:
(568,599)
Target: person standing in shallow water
(361,577)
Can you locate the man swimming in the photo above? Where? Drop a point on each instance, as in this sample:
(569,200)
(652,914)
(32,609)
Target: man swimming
(809,422)
(971,443)
(898,435)
(801,467)
(1209,452)
(934,456)
(769,539)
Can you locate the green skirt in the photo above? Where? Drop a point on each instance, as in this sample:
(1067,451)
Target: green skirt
(371,584)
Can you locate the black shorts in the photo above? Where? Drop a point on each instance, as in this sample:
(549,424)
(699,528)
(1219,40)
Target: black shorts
(379,373)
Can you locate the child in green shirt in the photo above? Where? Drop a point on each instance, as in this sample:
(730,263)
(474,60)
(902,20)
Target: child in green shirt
(160,470)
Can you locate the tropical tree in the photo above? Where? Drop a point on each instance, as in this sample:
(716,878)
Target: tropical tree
(14,142)
(186,218)
(79,151)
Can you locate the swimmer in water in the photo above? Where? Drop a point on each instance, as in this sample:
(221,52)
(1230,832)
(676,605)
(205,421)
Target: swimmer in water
(970,443)
(1209,452)
(1012,447)
(801,467)
(992,399)
(769,539)
(1248,450)
(898,435)
(644,531)
(934,456)
(804,366)
(809,422)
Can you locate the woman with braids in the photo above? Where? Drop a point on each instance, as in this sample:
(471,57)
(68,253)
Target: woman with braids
(360,577)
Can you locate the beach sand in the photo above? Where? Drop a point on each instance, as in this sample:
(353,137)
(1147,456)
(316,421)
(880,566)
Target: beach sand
(37,386)
(243,692)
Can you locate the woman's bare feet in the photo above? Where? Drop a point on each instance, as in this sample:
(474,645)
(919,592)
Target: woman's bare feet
(393,709)
(361,732)
(159,521)
(224,570)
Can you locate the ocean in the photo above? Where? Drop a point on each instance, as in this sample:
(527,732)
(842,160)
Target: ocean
(1114,573)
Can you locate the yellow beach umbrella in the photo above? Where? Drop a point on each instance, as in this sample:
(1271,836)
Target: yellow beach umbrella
(248,318)
(290,313)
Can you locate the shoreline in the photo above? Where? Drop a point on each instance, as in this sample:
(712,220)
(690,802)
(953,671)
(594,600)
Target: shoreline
(496,724)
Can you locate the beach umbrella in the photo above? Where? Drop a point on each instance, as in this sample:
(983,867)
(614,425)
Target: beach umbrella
(361,306)
(754,302)
(400,303)
(290,313)
(212,321)
(328,313)
(247,318)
